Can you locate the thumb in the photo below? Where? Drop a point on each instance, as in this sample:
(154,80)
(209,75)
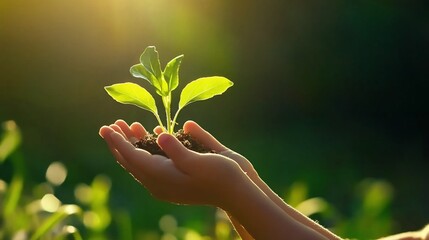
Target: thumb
(174,149)
(203,136)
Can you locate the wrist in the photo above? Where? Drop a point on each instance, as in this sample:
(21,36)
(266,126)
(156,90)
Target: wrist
(234,190)
(261,217)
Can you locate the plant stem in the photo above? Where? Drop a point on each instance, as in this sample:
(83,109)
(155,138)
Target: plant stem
(173,123)
(167,105)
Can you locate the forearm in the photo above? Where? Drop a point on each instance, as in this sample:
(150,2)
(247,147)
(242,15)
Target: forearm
(244,235)
(262,218)
(291,211)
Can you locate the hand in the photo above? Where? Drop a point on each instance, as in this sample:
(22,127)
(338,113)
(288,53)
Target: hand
(186,177)
(205,138)
(416,235)
(209,141)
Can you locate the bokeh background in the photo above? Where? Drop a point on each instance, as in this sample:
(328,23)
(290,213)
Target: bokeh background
(327,93)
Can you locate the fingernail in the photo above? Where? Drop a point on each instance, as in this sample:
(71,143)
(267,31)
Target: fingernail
(101,130)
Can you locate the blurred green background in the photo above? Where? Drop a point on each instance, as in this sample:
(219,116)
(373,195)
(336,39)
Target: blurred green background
(326,93)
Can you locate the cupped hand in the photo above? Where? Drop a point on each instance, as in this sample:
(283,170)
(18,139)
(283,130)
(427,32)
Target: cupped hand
(205,138)
(185,177)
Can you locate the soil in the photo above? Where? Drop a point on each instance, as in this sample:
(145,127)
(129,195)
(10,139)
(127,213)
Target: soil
(149,144)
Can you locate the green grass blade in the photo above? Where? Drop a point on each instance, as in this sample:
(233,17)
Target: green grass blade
(10,140)
(62,213)
(16,185)
(69,232)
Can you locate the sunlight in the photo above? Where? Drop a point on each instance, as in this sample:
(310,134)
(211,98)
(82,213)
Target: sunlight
(56,173)
(50,203)
(70,209)
(70,229)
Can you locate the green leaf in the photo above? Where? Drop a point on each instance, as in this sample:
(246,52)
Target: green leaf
(171,72)
(139,71)
(150,60)
(202,89)
(131,93)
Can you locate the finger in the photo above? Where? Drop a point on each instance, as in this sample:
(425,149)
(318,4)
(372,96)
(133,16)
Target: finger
(126,149)
(119,159)
(203,136)
(140,162)
(158,130)
(105,132)
(117,129)
(134,171)
(175,150)
(126,130)
(138,130)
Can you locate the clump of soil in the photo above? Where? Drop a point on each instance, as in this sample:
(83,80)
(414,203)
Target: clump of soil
(149,144)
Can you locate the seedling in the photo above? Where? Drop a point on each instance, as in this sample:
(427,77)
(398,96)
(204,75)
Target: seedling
(164,82)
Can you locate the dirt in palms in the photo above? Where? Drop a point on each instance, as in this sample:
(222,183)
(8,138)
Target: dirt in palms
(149,144)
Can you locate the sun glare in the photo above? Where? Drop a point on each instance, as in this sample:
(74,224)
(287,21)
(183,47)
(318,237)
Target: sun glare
(50,203)
(56,173)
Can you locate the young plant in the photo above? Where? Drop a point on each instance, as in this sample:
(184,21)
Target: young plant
(164,82)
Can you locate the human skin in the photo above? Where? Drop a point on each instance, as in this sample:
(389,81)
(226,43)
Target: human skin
(413,235)
(187,177)
(209,141)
